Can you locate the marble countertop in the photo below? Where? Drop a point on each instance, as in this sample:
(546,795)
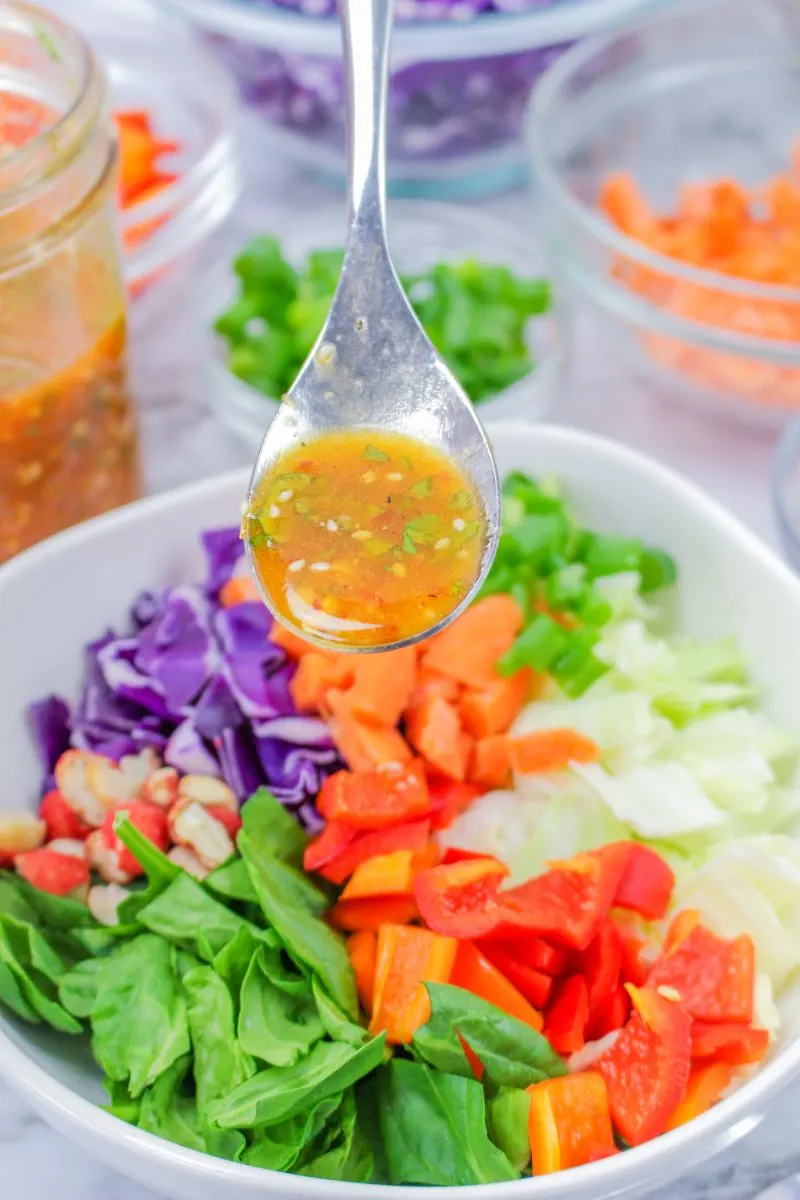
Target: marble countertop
(183,441)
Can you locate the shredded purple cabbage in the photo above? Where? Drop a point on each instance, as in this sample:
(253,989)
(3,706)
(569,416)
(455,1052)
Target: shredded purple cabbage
(437,110)
(203,686)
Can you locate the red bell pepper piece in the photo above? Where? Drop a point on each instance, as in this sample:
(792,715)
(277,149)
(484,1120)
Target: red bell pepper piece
(389,795)
(52,872)
(453,854)
(646,884)
(734,1044)
(632,969)
(537,954)
(611,1015)
(60,819)
(412,835)
(474,973)
(535,986)
(567,1017)
(568,902)
(460,900)
(647,1068)
(569,1123)
(328,845)
(713,978)
(478,1069)
(600,966)
(448,799)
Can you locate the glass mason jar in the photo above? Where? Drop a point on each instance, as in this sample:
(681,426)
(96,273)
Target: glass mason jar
(68,443)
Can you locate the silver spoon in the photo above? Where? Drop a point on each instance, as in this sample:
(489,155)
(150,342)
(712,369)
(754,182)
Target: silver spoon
(373,365)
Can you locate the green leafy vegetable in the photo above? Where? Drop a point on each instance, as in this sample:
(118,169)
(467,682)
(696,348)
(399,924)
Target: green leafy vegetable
(346,1154)
(507,1114)
(276,832)
(281,1092)
(308,940)
(220,1061)
(279,1147)
(337,1026)
(139,1023)
(184,913)
(276,1024)
(78,988)
(169,1113)
(29,972)
(434,1129)
(159,870)
(513,1054)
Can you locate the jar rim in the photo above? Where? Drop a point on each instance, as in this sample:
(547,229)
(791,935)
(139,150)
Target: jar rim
(51,149)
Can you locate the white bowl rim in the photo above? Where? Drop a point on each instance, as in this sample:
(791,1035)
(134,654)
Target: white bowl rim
(729,1120)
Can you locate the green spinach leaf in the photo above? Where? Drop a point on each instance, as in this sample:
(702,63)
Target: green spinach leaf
(434,1129)
(28,983)
(139,1023)
(281,1092)
(159,870)
(338,1027)
(507,1115)
(346,1154)
(513,1054)
(272,828)
(308,940)
(278,1147)
(276,1025)
(77,990)
(220,1061)
(232,881)
(185,914)
(168,1112)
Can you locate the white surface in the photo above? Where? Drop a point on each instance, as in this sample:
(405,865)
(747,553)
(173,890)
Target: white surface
(154,543)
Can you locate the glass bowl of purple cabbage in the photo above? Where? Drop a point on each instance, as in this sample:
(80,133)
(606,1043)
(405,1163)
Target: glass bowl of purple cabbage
(462,74)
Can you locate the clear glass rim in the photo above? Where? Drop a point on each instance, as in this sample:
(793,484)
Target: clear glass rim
(784,459)
(550,92)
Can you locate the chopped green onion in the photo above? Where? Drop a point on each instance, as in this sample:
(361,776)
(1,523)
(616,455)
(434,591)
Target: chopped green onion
(408,544)
(566,588)
(461,501)
(375,455)
(658,570)
(422,488)
(592,670)
(606,555)
(538,646)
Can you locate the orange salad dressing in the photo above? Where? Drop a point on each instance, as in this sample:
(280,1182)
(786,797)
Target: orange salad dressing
(365,538)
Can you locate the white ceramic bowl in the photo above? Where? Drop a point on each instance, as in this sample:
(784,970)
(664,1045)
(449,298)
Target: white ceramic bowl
(56,597)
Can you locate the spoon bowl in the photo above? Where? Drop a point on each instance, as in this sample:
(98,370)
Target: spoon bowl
(373,366)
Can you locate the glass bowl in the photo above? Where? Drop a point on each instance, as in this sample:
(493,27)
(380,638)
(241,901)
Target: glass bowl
(785,488)
(704,91)
(458,90)
(421,233)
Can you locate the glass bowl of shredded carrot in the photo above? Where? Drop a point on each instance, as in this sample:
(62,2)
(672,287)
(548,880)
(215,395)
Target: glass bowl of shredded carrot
(667,162)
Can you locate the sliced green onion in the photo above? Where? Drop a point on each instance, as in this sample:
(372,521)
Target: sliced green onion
(658,570)
(592,670)
(539,645)
(568,664)
(541,538)
(566,588)
(605,555)
(376,455)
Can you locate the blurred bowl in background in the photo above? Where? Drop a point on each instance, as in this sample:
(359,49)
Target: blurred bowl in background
(460,82)
(421,234)
(702,92)
(785,488)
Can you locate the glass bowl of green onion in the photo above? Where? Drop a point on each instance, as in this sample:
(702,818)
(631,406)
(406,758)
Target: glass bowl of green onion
(475,283)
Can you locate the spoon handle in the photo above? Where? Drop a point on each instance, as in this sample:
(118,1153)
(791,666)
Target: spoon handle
(366,32)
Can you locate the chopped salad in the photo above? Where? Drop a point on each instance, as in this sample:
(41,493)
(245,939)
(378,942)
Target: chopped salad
(512,901)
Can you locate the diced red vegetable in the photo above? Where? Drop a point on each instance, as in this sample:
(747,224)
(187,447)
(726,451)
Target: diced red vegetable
(362,950)
(52,872)
(331,842)
(646,884)
(390,795)
(354,916)
(601,964)
(729,1043)
(60,819)
(535,986)
(570,1122)
(537,954)
(459,900)
(449,798)
(707,1082)
(647,1068)
(473,972)
(610,1015)
(231,820)
(568,1015)
(411,835)
(713,978)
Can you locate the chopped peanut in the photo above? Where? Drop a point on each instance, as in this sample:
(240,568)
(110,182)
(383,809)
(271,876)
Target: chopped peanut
(208,791)
(190,825)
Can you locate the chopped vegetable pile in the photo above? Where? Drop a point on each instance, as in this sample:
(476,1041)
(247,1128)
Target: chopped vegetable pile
(475,315)
(750,234)
(540,918)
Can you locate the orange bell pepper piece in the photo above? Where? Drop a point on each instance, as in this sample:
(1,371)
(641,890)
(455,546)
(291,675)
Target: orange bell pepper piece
(706,1084)
(570,1122)
(383,875)
(474,973)
(362,950)
(353,916)
(407,958)
(339,848)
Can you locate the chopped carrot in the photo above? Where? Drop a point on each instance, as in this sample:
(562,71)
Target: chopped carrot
(289,642)
(362,950)
(705,1087)
(433,683)
(491,709)
(383,686)
(316,675)
(374,911)
(622,201)
(383,875)
(468,649)
(550,750)
(363,746)
(238,590)
(407,958)
(434,729)
(491,765)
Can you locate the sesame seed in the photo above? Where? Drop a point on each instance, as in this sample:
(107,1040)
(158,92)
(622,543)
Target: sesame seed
(361,535)
(442,544)
(458,524)
(320,566)
(274,511)
(285,495)
(462,554)
(398,569)
(669,993)
(395,476)
(368,477)
(331,526)
(297,565)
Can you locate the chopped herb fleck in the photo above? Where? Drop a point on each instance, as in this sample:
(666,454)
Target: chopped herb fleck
(460,501)
(375,455)
(408,544)
(422,489)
